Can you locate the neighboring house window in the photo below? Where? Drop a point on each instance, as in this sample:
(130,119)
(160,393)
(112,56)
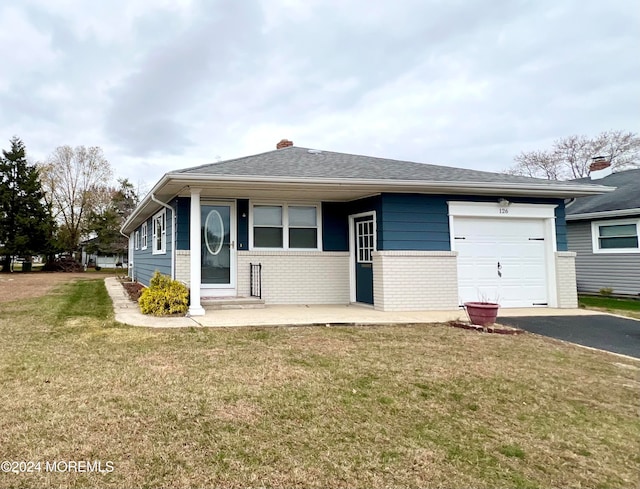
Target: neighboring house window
(143,236)
(136,240)
(160,232)
(284,226)
(615,236)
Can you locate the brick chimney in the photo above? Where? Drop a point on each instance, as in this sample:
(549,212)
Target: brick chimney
(284,143)
(600,167)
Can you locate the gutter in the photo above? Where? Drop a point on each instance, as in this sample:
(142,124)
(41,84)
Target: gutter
(129,261)
(579,190)
(603,214)
(173,233)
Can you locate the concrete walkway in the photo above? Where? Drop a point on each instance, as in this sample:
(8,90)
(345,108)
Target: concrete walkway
(128,312)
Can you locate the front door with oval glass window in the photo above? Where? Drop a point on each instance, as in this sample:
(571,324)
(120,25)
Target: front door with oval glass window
(218,247)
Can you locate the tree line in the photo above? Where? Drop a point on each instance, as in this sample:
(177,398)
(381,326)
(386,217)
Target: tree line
(49,208)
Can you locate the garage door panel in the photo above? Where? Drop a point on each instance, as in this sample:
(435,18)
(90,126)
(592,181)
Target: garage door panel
(497,259)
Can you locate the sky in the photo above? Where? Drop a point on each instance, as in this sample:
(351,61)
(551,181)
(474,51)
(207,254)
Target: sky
(161,85)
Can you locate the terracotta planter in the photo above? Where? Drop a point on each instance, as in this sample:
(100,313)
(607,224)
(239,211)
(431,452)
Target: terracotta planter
(482,313)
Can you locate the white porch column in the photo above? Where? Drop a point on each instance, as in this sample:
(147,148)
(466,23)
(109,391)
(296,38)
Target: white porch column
(195,309)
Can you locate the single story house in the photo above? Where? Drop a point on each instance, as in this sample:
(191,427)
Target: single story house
(604,230)
(333,228)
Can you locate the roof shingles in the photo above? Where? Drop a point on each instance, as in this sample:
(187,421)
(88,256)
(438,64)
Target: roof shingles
(296,162)
(626,195)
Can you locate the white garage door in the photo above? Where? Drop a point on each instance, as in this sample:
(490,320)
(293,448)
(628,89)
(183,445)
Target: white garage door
(503,259)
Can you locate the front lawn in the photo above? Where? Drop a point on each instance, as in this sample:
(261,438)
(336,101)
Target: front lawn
(405,406)
(622,307)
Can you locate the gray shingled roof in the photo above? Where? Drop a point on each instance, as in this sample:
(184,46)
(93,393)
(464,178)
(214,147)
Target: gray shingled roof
(296,162)
(626,195)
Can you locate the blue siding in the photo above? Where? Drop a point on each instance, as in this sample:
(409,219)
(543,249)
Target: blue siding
(183,213)
(243,223)
(335,227)
(145,263)
(404,222)
(414,222)
(335,221)
(561,228)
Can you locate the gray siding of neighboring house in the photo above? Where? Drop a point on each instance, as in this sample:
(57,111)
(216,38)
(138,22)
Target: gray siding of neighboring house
(620,271)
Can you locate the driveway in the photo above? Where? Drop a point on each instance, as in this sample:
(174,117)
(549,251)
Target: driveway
(601,331)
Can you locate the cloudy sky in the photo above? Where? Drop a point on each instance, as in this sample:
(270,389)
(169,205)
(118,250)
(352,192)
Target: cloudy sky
(166,84)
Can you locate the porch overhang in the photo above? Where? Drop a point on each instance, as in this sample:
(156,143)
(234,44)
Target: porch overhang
(172,185)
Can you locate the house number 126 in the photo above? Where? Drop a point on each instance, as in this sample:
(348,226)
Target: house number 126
(504,211)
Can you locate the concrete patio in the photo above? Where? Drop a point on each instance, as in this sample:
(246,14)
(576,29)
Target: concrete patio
(127,312)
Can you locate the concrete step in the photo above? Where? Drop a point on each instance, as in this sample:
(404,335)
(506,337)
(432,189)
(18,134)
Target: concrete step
(218,303)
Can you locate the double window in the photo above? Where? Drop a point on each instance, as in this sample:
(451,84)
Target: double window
(160,232)
(286,226)
(143,236)
(615,236)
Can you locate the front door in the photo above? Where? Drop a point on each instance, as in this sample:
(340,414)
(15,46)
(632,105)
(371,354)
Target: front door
(218,260)
(365,245)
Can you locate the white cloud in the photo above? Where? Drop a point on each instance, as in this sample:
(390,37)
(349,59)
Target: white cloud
(168,84)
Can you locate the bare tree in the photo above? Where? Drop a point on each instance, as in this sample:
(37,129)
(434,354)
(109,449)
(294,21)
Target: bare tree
(570,157)
(537,164)
(74,180)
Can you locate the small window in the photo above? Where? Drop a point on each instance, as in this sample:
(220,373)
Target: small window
(267,226)
(136,240)
(160,232)
(365,241)
(615,237)
(143,236)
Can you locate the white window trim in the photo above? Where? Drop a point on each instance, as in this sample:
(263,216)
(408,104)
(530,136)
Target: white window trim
(285,225)
(163,237)
(144,236)
(136,240)
(595,235)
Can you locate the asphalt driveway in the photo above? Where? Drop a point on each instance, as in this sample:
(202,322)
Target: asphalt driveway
(602,331)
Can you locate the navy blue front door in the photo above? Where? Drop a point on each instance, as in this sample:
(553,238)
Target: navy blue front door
(365,245)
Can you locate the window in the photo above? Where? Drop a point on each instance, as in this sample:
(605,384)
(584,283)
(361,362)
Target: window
(267,226)
(136,240)
(365,241)
(286,226)
(143,236)
(160,232)
(615,236)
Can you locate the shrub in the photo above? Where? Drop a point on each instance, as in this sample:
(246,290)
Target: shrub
(98,268)
(606,291)
(164,297)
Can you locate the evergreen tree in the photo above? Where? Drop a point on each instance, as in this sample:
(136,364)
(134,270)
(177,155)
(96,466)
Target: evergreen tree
(25,222)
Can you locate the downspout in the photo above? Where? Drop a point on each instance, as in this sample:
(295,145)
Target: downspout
(173,234)
(130,256)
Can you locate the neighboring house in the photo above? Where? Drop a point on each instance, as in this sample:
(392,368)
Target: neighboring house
(333,228)
(604,231)
(99,259)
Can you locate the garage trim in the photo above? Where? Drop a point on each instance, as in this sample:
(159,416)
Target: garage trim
(494,210)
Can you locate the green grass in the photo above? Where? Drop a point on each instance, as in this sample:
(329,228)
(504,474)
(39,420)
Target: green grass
(404,406)
(625,307)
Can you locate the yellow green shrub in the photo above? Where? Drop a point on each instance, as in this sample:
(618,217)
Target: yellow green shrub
(164,297)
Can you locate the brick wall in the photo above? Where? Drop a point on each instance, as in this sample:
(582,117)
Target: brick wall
(183,267)
(566,279)
(298,277)
(415,280)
